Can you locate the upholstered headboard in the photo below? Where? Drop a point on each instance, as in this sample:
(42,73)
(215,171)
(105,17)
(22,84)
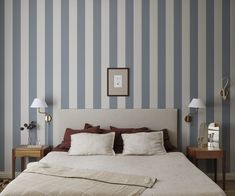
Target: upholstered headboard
(155,119)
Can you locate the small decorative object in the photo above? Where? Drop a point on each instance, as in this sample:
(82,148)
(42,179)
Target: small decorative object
(202,135)
(195,103)
(210,138)
(199,142)
(29,127)
(224,91)
(213,135)
(118,82)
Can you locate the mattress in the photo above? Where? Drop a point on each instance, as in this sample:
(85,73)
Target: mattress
(175,174)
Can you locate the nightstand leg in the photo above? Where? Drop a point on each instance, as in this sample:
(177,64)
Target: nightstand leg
(13,164)
(224,170)
(195,161)
(22,163)
(215,169)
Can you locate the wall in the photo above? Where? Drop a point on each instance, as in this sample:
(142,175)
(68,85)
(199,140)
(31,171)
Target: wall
(58,49)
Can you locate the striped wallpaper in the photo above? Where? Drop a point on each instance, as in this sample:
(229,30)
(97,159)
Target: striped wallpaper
(60,49)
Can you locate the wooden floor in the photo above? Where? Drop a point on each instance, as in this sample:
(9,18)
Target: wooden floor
(230,186)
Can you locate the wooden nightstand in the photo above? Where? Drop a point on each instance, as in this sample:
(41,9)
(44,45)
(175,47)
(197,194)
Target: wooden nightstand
(23,151)
(208,153)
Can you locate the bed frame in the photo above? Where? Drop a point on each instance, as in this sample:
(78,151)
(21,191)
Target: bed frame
(155,119)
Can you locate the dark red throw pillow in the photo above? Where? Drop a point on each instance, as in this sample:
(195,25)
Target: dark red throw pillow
(66,143)
(60,149)
(88,126)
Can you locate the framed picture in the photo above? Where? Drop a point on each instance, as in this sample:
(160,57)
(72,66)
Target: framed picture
(118,81)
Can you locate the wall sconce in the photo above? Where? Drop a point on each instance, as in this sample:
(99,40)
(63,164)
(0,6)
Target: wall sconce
(40,103)
(195,103)
(224,92)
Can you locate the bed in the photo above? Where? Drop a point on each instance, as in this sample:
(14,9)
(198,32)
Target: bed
(167,174)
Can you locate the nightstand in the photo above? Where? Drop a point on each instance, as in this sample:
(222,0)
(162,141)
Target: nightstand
(24,151)
(208,153)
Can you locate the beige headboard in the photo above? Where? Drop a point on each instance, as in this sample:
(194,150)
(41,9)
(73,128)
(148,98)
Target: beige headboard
(153,118)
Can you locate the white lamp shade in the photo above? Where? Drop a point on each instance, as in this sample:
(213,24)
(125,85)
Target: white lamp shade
(196,103)
(38,103)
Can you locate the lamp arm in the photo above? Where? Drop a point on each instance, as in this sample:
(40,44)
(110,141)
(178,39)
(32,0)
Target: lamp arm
(48,117)
(39,111)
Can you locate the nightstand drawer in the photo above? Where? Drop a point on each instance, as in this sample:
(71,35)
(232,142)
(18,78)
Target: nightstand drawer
(208,154)
(27,153)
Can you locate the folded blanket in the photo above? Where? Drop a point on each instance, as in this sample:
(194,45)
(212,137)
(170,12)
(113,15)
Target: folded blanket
(43,179)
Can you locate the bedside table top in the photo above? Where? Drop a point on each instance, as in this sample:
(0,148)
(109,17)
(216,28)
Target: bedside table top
(193,148)
(24,147)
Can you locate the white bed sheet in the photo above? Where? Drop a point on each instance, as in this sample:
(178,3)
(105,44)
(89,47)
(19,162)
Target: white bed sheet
(175,173)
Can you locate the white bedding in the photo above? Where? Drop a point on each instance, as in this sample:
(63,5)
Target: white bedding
(176,175)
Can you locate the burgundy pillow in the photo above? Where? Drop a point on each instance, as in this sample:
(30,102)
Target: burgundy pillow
(59,148)
(66,143)
(88,126)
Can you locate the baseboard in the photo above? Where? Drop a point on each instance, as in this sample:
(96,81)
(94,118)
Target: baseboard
(7,174)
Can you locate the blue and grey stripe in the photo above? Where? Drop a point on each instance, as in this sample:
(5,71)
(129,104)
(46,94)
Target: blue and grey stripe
(97,55)
(65,54)
(193,66)
(16,74)
(210,66)
(178,62)
(113,43)
(161,54)
(49,68)
(129,50)
(210,61)
(81,54)
(225,74)
(2,82)
(145,54)
(140,9)
(32,64)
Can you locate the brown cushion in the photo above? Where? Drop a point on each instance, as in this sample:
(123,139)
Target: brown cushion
(66,143)
(59,148)
(88,126)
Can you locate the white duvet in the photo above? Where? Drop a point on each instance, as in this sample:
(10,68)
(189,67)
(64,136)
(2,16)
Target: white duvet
(175,174)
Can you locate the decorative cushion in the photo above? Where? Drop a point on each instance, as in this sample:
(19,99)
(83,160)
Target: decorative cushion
(67,135)
(118,142)
(143,143)
(167,143)
(92,144)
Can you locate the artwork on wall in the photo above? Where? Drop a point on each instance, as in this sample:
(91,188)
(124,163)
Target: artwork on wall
(118,81)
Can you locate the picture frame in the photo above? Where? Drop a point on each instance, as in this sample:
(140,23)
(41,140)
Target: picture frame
(117,81)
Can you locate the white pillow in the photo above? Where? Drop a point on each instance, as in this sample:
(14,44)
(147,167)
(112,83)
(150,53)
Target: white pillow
(92,144)
(143,143)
